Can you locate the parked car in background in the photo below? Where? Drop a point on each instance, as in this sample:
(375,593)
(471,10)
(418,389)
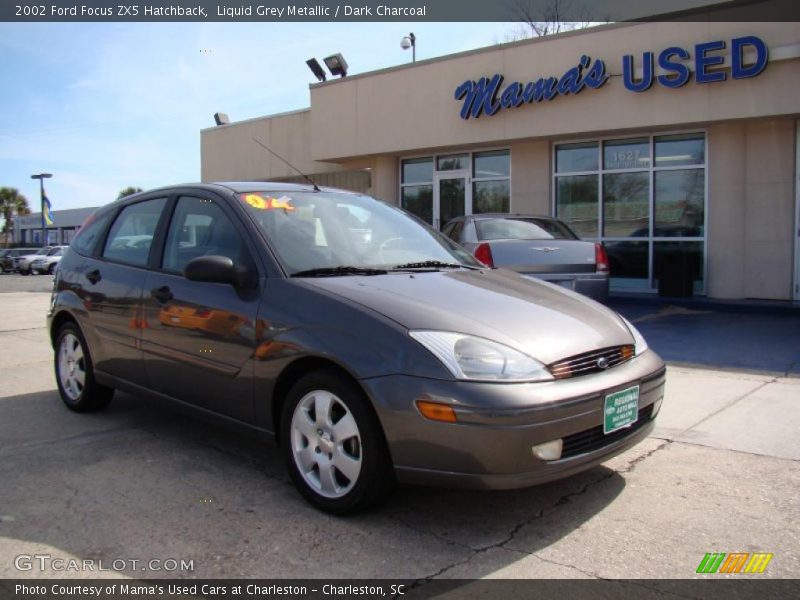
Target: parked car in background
(534,246)
(8,255)
(48,263)
(22,263)
(369,346)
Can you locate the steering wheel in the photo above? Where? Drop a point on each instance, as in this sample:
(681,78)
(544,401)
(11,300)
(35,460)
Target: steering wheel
(384,246)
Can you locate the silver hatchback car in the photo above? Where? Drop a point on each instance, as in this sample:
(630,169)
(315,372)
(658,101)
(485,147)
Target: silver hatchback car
(369,346)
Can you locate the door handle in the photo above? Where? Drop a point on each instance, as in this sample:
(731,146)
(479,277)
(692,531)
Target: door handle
(162,294)
(94,276)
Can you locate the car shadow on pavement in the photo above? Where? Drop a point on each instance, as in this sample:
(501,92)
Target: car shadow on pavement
(143,481)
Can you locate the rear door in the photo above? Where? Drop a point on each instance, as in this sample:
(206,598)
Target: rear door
(110,285)
(199,337)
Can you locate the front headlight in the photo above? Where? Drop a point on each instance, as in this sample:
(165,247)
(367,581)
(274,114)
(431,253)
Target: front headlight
(479,359)
(638,338)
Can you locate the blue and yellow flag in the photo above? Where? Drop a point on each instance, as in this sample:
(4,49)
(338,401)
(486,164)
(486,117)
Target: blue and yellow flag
(47,217)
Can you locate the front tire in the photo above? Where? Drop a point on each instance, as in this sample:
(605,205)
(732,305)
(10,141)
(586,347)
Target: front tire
(75,372)
(333,444)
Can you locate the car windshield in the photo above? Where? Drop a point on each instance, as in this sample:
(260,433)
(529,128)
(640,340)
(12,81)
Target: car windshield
(522,229)
(54,252)
(325,230)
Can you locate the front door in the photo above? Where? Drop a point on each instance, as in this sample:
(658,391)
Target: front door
(452,197)
(198,338)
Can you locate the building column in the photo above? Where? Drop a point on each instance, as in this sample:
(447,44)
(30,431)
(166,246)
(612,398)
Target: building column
(385,182)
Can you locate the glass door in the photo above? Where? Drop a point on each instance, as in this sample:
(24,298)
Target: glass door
(451,197)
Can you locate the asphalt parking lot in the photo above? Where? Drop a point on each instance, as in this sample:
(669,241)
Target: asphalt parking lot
(141,481)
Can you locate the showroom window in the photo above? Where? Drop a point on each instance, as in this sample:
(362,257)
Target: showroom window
(644,198)
(439,188)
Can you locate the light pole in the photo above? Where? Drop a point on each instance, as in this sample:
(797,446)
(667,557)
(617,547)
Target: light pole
(41,177)
(410,41)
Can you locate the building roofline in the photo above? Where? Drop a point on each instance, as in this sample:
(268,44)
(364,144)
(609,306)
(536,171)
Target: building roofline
(261,118)
(474,51)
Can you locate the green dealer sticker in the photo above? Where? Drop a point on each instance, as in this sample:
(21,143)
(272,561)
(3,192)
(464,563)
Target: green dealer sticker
(621,409)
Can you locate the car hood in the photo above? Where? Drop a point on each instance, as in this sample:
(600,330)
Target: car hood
(546,322)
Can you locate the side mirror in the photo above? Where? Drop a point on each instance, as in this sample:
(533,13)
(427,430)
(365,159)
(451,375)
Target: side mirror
(218,269)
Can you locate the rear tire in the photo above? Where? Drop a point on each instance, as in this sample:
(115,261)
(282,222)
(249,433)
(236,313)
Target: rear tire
(75,372)
(333,444)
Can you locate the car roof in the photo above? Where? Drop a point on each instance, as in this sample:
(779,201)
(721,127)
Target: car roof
(239,187)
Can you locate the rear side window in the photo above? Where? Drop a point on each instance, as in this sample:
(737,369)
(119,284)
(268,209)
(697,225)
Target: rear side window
(131,235)
(90,232)
(522,229)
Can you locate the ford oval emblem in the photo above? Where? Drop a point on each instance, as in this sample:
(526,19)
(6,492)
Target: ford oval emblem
(602,362)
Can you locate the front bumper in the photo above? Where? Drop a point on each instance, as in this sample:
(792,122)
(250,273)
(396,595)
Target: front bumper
(490,445)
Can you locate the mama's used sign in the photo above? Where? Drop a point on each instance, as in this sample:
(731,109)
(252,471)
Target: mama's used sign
(488,95)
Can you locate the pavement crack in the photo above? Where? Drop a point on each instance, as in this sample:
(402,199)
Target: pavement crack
(635,462)
(730,404)
(514,531)
(566,566)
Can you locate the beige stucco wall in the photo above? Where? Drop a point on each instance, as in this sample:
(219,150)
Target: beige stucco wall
(530,177)
(228,152)
(751,209)
(404,109)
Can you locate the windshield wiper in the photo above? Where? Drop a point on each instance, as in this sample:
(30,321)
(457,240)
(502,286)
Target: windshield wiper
(338,271)
(431,264)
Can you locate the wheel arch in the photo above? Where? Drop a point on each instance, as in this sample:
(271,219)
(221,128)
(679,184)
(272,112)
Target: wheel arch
(295,370)
(59,319)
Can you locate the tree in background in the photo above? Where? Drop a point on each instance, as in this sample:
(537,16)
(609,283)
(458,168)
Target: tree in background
(128,191)
(12,204)
(542,17)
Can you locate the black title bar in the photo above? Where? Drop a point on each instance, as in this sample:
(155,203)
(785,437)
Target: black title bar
(584,11)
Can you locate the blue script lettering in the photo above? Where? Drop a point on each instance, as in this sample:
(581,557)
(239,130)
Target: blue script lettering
(485,97)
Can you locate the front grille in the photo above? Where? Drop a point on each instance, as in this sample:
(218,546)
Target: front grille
(594,439)
(590,362)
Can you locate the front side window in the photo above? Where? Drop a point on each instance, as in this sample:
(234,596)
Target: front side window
(321,230)
(131,235)
(199,227)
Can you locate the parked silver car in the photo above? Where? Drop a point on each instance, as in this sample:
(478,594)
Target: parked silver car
(534,246)
(22,264)
(49,262)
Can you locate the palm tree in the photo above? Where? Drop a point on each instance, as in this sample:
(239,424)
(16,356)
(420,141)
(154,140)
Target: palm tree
(12,203)
(128,191)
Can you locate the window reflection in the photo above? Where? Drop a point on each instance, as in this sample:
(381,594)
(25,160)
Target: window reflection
(418,170)
(625,205)
(680,200)
(576,203)
(418,200)
(490,196)
(576,157)
(678,150)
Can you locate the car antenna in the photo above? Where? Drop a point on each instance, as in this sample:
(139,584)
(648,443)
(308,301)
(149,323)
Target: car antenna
(275,154)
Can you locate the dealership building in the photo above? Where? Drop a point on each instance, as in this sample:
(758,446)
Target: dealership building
(673,144)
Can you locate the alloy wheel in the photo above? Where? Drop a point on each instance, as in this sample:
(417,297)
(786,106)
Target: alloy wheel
(71,366)
(326,444)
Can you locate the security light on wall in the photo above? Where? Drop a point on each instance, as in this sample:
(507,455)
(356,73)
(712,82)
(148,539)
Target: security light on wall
(336,64)
(221,118)
(316,69)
